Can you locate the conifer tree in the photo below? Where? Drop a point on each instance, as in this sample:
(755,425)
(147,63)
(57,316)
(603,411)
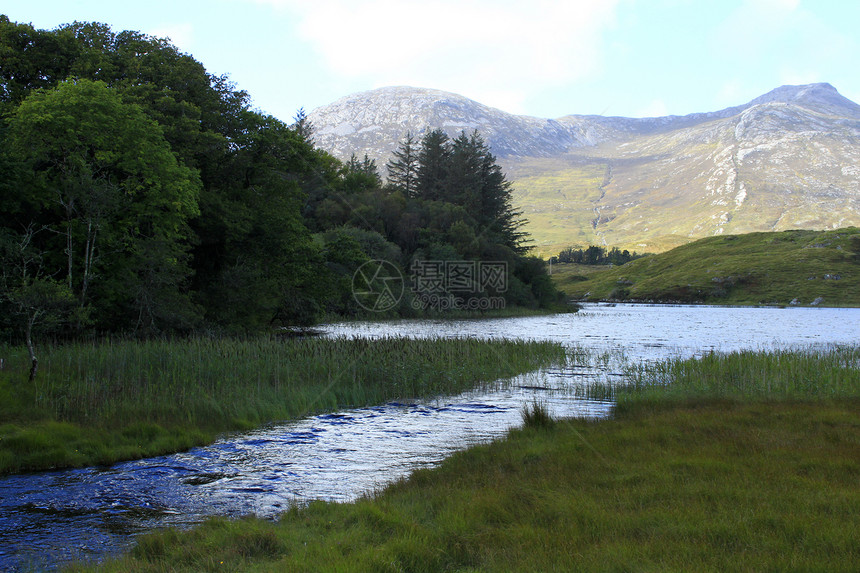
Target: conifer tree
(303,127)
(403,167)
(464,185)
(433,166)
(496,210)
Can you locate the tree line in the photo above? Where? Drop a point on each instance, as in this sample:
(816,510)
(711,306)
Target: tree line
(141,194)
(595,255)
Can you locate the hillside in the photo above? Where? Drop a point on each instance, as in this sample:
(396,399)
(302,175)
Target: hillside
(784,268)
(787,159)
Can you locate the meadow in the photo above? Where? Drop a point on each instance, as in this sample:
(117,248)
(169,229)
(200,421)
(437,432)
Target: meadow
(784,268)
(743,462)
(100,402)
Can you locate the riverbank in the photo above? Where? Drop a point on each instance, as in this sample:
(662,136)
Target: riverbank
(100,403)
(744,472)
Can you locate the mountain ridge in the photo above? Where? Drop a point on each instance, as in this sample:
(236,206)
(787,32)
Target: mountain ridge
(786,159)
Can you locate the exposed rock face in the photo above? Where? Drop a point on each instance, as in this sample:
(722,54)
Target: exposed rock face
(374,122)
(787,159)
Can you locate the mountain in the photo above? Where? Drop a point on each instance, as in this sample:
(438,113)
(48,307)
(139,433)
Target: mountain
(787,159)
(374,122)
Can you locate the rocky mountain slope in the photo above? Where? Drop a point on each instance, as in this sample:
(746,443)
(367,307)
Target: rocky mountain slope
(787,159)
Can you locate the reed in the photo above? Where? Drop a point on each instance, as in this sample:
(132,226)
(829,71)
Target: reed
(176,393)
(798,374)
(537,415)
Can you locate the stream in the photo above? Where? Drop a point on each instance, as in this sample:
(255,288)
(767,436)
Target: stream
(48,519)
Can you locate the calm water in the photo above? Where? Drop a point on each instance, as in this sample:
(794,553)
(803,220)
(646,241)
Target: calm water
(50,518)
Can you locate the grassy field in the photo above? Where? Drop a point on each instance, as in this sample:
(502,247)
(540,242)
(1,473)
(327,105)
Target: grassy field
(744,463)
(789,267)
(100,403)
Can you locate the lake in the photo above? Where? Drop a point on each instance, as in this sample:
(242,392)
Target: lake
(50,518)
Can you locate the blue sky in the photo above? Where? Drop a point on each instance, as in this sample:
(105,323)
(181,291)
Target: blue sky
(544,58)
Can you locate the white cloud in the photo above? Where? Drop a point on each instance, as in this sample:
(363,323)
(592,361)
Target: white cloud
(499,52)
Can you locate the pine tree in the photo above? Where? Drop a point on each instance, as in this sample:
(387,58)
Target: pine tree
(497,212)
(481,186)
(464,185)
(432,175)
(403,168)
(303,127)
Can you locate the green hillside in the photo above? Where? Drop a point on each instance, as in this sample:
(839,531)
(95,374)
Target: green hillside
(788,267)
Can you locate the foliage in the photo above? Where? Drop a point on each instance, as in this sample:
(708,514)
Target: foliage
(166,204)
(594,255)
(104,181)
(403,167)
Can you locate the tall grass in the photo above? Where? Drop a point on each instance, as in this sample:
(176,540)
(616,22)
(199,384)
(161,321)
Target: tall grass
(833,372)
(215,385)
(537,415)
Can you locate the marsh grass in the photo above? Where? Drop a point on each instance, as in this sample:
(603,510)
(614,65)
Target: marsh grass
(537,415)
(799,374)
(99,402)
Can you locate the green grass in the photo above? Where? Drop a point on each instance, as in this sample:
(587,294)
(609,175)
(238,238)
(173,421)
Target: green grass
(833,373)
(730,480)
(99,403)
(756,268)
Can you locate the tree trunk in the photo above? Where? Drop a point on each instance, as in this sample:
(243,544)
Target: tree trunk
(34,360)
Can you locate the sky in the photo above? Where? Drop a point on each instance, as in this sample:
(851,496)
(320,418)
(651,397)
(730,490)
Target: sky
(633,58)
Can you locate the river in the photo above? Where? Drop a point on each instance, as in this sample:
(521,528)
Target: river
(51,518)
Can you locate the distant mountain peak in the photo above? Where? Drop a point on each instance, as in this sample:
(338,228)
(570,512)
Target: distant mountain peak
(374,122)
(821,97)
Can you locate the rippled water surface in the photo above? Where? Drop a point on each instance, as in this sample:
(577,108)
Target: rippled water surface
(52,517)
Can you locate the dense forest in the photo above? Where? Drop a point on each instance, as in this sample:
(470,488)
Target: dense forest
(142,195)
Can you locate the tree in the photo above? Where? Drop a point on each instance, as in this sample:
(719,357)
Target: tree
(403,167)
(496,213)
(32,59)
(303,127)
(465,172)
(256,259)
(25,291)
(360,175)
(114,193)
(432,172)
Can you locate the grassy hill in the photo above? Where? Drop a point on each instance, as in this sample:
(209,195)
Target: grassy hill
(788,267)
